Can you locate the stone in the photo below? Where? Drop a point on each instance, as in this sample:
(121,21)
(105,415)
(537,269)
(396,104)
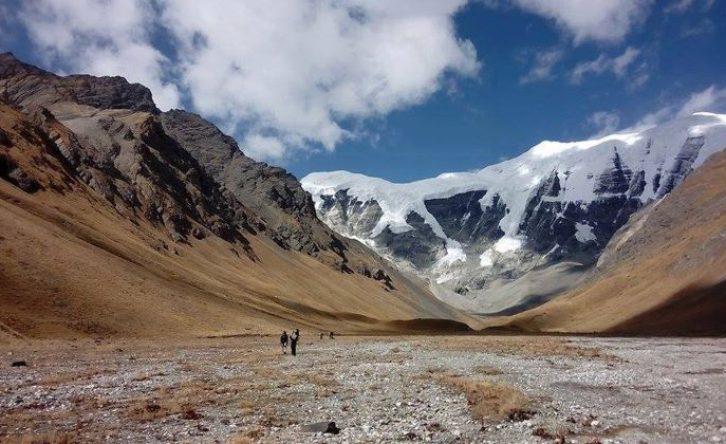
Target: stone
(322,427)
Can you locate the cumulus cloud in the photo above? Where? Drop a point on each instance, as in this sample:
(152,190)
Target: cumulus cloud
(544,63)
(601,20)
(101,38)
(283,76)
(602,64)
(293,72)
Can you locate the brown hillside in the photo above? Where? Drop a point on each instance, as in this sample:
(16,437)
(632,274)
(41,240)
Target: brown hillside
(108,226)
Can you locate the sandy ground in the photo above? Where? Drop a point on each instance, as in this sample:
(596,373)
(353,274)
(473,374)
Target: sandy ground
(439,389)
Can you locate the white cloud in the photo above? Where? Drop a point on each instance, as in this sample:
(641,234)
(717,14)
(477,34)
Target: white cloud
(544,62)
(678,6)
(711,99)
(617,65)
(604,123)
(598,20)
(101,38)
(284,76)
(293,72)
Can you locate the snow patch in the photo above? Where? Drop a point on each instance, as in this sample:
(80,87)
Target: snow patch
(454,253)
(584,233)
(507,245)
(486,259)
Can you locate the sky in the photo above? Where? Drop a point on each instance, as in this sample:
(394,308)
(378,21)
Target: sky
(401,90)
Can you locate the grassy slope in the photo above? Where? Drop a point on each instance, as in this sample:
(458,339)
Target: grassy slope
(70,265)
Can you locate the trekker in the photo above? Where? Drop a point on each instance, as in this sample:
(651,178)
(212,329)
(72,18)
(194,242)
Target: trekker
(321,335)
(283,343)
(294,337)
(332,336)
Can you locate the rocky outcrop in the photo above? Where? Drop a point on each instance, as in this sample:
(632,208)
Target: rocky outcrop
(462,218)
(420,245)
(27,85)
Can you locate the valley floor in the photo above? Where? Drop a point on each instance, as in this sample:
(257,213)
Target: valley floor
(441,389)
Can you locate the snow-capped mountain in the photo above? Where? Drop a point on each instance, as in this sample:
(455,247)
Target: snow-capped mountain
(514,234)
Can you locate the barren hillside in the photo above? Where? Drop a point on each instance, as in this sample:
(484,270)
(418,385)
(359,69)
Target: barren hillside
(111,225)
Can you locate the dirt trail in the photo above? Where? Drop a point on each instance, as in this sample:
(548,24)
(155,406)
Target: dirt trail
(439,389)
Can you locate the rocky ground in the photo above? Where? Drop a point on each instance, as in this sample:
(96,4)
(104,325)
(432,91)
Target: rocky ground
(438,389)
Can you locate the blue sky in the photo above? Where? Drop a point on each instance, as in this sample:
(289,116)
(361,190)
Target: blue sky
(414,90)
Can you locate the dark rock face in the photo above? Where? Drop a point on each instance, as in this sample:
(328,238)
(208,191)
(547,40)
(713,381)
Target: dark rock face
(551,225)
(614,180)
(11,172)
(351,215)
(21,83)
(222,158)
(462,218)
(420,246)
(683,164)
(271,192)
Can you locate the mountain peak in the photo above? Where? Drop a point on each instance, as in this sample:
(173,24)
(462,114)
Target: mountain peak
(27,85)
(557,204)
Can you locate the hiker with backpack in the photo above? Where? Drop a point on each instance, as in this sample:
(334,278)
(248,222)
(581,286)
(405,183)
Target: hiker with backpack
(283,343)
(294,337)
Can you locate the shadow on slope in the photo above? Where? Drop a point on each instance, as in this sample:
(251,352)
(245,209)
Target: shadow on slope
(693,311)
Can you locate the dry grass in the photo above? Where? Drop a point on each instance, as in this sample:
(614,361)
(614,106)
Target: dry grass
(42,438)
(531,346)
(486,370)
(248,437)
(151,410)
(73,376)
(488,400)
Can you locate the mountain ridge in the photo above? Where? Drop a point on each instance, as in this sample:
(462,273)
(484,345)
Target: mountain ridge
(115,222)
(542,218)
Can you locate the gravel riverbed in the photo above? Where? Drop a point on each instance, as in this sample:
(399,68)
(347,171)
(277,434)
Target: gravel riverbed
(389,389)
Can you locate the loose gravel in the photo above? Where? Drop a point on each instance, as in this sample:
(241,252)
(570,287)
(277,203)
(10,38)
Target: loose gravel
(376,390)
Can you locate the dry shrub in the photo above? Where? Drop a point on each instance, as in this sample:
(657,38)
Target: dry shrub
(247,407)
(150,410)
(248,436)
(490,400)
